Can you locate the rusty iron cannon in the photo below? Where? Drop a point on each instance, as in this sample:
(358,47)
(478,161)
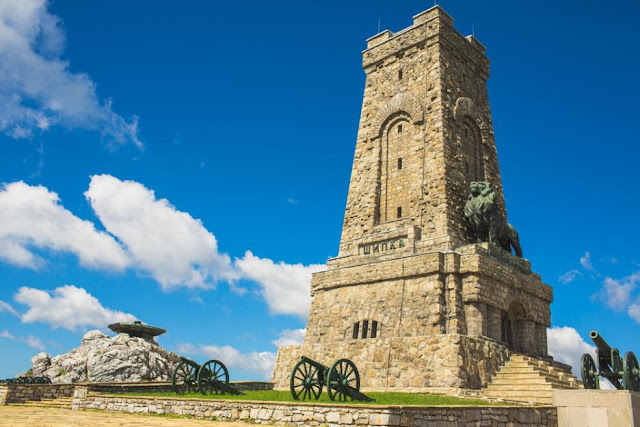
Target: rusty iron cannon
(341,379)
(210,378)
(624,374)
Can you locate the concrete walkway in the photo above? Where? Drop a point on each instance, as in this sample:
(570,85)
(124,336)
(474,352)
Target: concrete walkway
(53,417)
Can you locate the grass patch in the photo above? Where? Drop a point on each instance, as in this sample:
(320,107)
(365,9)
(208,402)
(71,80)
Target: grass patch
(382,398)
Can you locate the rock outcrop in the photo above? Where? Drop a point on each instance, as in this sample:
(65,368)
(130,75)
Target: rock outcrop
(101,358)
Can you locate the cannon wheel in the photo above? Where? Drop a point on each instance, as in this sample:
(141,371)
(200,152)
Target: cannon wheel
(305,381)
(631,372)
(211,373)
(183,379)
(589,371)
(343,374)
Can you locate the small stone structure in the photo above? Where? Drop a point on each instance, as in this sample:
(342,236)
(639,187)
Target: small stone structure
(597,408)
(412,298)
(101,358)
(314,414)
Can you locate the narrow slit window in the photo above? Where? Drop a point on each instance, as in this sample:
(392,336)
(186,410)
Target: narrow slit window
(399,163)
(399,128)
(399,212)
(365,328)
(356,329)
(400,75)
(374,329)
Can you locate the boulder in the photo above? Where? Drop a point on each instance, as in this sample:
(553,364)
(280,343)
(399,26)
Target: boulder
(101,358)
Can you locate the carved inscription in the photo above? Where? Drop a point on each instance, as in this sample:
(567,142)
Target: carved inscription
(382,246)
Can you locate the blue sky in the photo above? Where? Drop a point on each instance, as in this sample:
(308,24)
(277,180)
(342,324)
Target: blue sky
(146,147)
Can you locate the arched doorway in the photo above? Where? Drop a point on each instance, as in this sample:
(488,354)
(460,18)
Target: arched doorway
(513,327)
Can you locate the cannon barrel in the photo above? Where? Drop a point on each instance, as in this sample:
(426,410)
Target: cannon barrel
(315,364)
(600,342)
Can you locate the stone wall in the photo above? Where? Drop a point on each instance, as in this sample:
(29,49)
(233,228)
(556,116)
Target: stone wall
(20,393)
(301,414)
(440,363)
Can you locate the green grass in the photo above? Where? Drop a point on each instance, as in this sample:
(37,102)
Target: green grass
(386,398)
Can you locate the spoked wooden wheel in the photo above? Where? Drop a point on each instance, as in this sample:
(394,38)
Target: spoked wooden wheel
(631,372)
(589,372)
(306,381)
(210,375)
(343,375)
(184,379)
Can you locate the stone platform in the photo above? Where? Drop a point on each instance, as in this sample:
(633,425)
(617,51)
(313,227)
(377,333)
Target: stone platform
(597,408)
(315,414)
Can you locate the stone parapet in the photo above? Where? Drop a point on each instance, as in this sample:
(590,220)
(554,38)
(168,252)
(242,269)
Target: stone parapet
(21,393)
(314,414)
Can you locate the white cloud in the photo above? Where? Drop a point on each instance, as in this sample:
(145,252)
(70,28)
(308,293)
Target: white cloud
(5,306)
(35,343)
(569,276)
(67,307)
(32,217)
(634,312)
(567,346)
(31,341)
(258,362)
(285,287)
(585,261)
(290,337)
(7,334)
(38,89)
(615,293)
(172,246)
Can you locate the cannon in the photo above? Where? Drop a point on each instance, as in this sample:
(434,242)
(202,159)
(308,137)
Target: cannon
(622,373)
(342,380)
(210,378)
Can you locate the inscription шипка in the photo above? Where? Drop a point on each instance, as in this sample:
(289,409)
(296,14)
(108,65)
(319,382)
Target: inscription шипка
(382,245)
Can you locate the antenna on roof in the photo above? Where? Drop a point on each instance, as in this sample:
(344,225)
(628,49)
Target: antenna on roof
(435,2)
(378,25)
(473,30)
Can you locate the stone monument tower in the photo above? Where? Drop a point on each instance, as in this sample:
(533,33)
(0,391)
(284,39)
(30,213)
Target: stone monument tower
(410,298)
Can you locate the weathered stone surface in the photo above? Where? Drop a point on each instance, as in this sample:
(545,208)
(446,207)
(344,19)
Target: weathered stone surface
(310,414)
(412,297)
(101,358)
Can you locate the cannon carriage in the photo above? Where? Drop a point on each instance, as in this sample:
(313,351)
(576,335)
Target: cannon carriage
(342,380)
(210,378)
(27,380)
(624,374)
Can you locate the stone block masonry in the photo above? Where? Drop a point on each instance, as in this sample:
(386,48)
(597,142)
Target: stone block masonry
(21,393)
(310,414)
(412,297)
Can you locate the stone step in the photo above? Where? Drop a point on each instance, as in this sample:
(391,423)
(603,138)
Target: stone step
(515,394)
(530,381)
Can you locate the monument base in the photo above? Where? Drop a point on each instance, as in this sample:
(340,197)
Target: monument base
(597,408)
(447,361)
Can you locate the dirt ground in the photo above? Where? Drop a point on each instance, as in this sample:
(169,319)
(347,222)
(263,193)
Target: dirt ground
(40,417)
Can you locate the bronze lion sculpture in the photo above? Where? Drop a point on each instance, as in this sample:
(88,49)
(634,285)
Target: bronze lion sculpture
(486,221)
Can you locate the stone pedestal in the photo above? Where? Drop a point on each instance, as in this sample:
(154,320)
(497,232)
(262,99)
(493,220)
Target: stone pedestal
(442,319)
(597,408)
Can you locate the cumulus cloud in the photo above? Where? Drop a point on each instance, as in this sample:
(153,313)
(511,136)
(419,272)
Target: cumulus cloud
(33,217)
(31,341)
(285,287)
(5,306)
(172,246)
(38,89)
(569,276)
(258,362)
(616,293)
(290,337)
(67,307)
(567,346)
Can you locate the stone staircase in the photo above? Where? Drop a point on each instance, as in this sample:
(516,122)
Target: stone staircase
(60,402)
(530,380)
